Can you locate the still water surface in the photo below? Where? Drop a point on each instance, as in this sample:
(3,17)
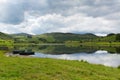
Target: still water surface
(108,56)
(98,57)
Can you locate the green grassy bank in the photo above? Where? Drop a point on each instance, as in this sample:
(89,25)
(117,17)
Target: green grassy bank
(77,43)
(19,68)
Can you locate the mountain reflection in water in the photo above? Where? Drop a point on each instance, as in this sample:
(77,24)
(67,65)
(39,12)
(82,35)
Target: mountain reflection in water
(108,56)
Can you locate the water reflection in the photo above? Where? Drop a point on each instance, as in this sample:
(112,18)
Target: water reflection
(61,49)
(109,56)
(99,57)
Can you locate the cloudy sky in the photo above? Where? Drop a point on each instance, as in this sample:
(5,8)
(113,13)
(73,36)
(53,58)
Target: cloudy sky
(44,16)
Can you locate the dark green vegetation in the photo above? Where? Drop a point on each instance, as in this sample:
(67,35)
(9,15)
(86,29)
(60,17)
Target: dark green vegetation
(6,40)
(4,36)
(20,68)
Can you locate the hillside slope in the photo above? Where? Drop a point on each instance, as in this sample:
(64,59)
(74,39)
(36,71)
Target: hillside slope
(62,37)
(4,36)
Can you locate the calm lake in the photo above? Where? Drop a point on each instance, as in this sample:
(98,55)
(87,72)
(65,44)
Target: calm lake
(108,56)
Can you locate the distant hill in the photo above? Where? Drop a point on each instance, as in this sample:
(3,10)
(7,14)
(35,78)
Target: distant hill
(58,37)
(4,36)
(21,34)
(62,37)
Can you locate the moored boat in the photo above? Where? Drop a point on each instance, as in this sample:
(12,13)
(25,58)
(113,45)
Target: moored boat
(23,52)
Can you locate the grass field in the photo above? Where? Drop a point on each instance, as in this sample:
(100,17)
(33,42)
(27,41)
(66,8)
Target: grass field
(20,68)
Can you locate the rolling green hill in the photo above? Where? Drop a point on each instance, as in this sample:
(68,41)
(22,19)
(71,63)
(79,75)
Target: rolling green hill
(53,37)
(4,36)
(20,34)
(62,37)
(58,37)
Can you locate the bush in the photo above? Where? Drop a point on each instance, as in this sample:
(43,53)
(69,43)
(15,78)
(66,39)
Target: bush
(118,67)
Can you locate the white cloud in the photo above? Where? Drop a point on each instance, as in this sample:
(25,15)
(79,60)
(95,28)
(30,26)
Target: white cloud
(78,23)
(3,1)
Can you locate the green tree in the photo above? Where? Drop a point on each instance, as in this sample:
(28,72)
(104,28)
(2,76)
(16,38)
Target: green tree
(118,37)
